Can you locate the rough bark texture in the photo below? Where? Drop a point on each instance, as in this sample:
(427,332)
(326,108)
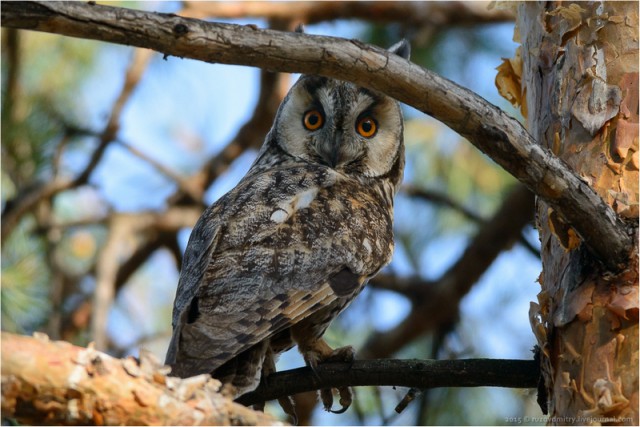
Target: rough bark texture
(579,91)
(499,136)
(45,382)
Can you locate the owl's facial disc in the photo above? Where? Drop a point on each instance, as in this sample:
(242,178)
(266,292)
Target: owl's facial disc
(345,127)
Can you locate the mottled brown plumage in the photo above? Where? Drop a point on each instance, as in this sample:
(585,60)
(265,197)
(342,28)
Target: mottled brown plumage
(275,260)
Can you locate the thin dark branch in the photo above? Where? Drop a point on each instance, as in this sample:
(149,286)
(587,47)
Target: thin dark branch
(441,199)
(26,200)
(185,185)
(422,374)
(533,250)
(250,135)
(166,239)
(131,80)
(139,257)
(414,288)
(499,136)
(172,244)
(445,200)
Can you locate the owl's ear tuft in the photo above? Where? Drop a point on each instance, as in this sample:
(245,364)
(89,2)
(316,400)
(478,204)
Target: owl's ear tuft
(402,48)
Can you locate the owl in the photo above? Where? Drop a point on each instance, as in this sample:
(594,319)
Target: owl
(272,262)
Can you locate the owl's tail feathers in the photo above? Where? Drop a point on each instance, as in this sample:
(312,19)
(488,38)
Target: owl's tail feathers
(289,408)
(268,368)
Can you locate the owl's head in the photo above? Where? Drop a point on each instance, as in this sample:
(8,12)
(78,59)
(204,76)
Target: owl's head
(354,130)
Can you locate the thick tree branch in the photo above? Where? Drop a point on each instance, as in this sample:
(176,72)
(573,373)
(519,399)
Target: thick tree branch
(421,374)
(61,383)
(408,13)
(501,137)
(46,382)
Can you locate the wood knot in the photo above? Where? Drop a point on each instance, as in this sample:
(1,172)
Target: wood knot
(180,30)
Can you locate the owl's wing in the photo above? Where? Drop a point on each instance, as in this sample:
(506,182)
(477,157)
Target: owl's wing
(200,248)
(258,261)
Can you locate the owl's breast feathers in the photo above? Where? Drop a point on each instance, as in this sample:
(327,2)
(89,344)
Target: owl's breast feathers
(287,243)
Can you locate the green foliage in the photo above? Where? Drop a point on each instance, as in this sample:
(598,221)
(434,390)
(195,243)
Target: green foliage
(25,279)
(41,76)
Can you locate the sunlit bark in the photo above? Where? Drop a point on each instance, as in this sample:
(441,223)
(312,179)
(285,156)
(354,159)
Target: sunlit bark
(579,93)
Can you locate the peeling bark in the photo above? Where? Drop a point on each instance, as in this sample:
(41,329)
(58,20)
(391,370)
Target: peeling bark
(58,383)
(580,88)
(45,382)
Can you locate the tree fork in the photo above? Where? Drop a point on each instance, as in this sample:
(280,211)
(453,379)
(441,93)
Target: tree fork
(499,136)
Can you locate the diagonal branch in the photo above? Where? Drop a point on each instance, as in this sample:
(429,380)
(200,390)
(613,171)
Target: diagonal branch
(444,200)
(436,304)
(132,78)
(185,185)
(27,200)
(499,136)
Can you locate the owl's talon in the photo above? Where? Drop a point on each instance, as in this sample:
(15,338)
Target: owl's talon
(326,396)
(229,390)
(314,367)
(340,411)
(345,400)
(345,354)
(287,405)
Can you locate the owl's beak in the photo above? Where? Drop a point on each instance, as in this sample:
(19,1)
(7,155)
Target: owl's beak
(330,153)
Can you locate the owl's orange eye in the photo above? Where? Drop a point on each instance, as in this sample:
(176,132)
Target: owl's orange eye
(367,126)
(313,120)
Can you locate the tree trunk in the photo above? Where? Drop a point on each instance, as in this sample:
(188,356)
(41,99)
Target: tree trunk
(579,95)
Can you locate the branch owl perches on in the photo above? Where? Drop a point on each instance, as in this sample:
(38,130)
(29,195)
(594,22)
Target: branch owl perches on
(275,260)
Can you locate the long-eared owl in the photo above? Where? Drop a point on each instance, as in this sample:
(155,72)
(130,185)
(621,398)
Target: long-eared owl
(272,262)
